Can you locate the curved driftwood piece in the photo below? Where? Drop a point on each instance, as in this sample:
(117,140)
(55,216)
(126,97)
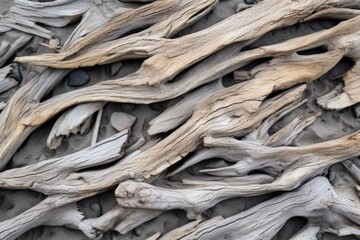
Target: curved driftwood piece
(289,162)
(119,219)
(59,169)
(316,198)
(194,197)
(53,211)
(13,133)
(174,116)
(97,15)
(170,17)
(335,13)
(74,120)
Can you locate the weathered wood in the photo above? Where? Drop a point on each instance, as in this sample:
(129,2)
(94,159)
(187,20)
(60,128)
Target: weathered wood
(195,197)
(316,198)
(259,135)
(74,120)
(128,91)
(293,165)
(53,211)
(240,26)
(58,169)
(170,17)
(118,219)
(350,92)
(7,49)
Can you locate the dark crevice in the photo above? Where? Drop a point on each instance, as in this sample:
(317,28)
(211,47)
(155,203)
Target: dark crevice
(311,51)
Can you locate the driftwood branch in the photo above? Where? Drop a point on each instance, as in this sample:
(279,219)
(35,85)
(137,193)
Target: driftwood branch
(317,198)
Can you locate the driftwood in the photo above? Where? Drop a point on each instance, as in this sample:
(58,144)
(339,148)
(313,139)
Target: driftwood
(317,198)
(118,219)
(231,122)
(46,213)
(8,47)
(78,119)
(129,91)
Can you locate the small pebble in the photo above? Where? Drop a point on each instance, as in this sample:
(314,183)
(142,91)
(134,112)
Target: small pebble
(78,78)
(121,121)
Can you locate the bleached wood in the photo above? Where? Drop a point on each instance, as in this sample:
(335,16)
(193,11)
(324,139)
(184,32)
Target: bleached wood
(349,95)
(7,49)
(59,169)
(293,165)
(110,91)
(53,211)
(117,219)
(74,120)
(259,135)
(194,197)
(315,198)
(170,17)
(175,115)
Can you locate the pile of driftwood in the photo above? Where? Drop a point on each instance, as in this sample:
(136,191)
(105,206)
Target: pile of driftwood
(229,122)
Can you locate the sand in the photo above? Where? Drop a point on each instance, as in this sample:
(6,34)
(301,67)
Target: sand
(330,125)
